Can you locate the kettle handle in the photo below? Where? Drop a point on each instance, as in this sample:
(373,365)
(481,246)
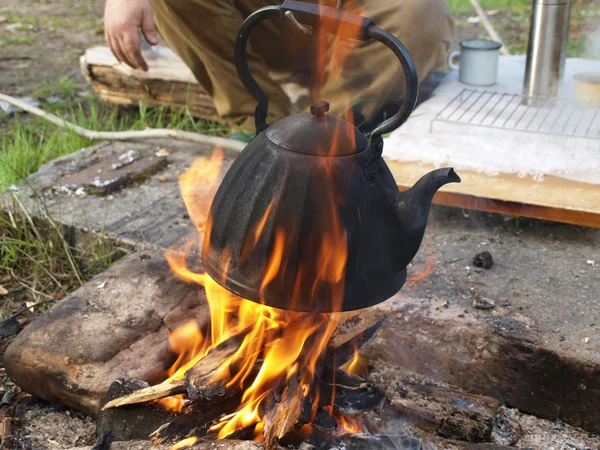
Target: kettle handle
(328,19)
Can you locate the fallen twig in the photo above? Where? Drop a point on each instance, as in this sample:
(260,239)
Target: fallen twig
(489,28)
(155,133)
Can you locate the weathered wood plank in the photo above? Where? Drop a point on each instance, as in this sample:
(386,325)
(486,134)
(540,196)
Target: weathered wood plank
(553,198)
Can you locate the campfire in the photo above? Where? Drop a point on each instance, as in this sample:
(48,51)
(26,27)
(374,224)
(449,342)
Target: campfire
(307,224)
(257,372)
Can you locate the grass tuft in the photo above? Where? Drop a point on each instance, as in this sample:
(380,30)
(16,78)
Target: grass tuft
(38,261)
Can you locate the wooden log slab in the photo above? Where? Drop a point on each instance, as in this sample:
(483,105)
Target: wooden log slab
(553,198)
(114,326)
(168,81)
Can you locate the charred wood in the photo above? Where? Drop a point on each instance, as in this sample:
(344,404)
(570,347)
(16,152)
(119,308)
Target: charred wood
(202,378)
(350,394)
(103,442)
(447,412)
(290,407)
(133,421)
(341,353)
(197,417)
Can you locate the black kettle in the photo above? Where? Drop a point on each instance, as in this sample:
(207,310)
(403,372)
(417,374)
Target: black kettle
(309,217)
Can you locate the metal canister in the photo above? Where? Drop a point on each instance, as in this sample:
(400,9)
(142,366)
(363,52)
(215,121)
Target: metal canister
(547,48)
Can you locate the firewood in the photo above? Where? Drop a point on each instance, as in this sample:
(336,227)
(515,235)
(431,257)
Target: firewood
(200,378)
(288,408)
(148,394)
(103,442)
(351,394)
(343,352)
(134,421)
(197,417)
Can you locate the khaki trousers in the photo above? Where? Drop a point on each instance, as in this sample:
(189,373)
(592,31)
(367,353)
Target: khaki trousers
(202,33)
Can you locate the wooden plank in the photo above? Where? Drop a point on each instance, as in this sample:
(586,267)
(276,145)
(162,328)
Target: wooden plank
(552,198)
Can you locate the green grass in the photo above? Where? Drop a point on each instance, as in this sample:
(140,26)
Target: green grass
(18,40)
(28,142)
(38,261)
(63,86)
(512,6)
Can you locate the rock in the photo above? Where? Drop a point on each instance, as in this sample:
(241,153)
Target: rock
(483,259)
(484,303)
(113,326)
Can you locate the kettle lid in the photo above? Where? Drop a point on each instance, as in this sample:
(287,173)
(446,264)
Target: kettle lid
(317,133)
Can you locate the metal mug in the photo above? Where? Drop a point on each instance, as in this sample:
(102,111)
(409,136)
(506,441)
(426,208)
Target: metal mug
(478,64)
(587,90)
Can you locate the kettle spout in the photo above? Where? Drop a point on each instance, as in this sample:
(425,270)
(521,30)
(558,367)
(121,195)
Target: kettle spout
(413,205)
(411,208)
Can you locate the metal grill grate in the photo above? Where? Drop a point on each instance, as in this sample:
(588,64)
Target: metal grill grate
(507,111)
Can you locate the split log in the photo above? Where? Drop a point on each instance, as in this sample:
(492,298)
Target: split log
(196,384)
(339,354)
(290,407)
(200,378)
(148,394)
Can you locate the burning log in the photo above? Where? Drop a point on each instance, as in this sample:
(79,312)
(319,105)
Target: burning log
(291,401)
(294,409)
(200,378)
(197,417)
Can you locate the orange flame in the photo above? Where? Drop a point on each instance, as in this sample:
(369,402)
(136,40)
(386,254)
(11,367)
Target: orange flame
(186,443)
(350,424)
(276,345)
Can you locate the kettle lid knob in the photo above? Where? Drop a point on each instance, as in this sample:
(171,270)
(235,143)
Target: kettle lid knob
(319,108)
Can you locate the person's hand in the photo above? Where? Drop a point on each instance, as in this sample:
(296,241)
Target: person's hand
(122,21)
